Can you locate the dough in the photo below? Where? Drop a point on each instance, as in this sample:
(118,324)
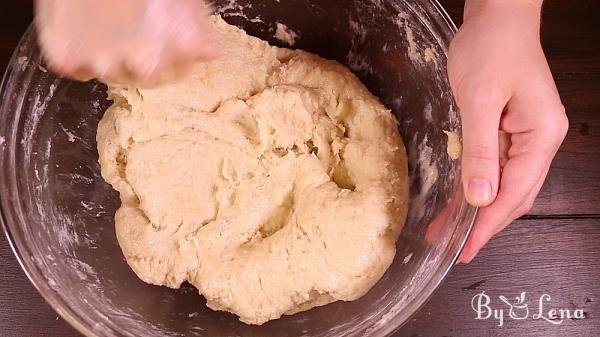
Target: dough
(454,146)
(270,179)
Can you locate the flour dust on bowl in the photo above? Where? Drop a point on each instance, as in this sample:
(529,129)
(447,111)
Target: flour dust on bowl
(58,213)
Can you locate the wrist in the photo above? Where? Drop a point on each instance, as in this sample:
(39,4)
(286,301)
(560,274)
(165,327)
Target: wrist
(480,7)
(521,15)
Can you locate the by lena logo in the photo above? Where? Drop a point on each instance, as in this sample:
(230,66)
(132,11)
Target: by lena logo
(519,309)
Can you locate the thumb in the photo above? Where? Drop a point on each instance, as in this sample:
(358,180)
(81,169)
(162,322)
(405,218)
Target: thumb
(480,115)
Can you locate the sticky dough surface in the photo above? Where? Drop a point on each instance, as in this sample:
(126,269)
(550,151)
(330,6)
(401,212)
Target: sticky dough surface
(270,179)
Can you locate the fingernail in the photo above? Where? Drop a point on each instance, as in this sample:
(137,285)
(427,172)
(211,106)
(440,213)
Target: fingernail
(463,260)
(479,192)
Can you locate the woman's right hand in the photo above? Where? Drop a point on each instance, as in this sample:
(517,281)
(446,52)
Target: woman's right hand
(134,41)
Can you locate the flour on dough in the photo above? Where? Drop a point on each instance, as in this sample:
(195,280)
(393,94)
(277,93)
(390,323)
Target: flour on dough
(270,179)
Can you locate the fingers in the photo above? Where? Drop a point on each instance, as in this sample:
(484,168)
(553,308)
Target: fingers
(517,192)
(530,156)
(163,64)
(142,43)
(144,72)
(480,111)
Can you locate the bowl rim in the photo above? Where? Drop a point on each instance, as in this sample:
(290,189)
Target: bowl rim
(64,310)
(31,270)
(471,212)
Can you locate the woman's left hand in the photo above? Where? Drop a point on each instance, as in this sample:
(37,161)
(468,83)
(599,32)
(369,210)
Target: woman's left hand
(502,82)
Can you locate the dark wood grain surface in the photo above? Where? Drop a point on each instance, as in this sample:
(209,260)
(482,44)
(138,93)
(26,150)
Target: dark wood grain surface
(553,250)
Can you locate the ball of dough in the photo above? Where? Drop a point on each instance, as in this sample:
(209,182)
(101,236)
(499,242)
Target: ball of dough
(270,179)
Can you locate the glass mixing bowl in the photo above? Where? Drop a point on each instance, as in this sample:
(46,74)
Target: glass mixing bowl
(57,211)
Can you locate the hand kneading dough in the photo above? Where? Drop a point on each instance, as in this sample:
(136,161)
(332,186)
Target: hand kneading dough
(270,179)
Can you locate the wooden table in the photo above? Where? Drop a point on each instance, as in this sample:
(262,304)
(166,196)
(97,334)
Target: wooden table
(555,249)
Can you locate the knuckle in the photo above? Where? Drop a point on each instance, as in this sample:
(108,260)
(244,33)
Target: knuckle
(563,122)
(140,69)
(60,63)
(556,125)
(480,153)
